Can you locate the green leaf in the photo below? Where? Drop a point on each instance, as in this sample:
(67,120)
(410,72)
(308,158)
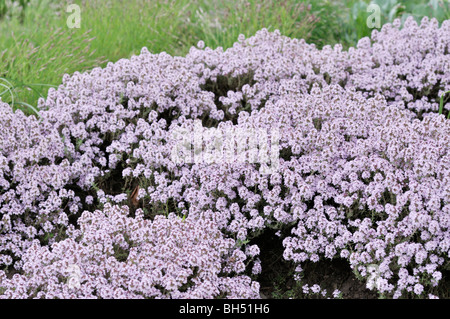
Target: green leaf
(441,104)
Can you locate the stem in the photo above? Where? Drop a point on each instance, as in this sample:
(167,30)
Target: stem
(441,104)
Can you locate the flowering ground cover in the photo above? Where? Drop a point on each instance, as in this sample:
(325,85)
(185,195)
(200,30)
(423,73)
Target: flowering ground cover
(162,176)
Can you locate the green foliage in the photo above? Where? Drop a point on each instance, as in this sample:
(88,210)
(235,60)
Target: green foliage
(3,8)
(38,49)
(7,8)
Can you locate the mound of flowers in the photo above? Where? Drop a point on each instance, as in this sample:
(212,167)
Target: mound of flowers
(153,177)
(116,256)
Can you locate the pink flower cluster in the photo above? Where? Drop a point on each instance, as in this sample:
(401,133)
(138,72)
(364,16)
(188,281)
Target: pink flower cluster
(122,257)
(92,204)
(34,173)
(409,66)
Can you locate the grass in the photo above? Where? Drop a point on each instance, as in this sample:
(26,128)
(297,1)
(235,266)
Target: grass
(441,104)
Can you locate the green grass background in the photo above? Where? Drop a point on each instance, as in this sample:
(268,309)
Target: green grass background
(37,48)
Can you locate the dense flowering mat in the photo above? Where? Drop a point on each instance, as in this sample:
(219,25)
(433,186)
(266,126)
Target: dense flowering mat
(106,196)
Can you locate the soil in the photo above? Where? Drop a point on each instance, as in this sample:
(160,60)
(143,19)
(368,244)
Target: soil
(337,274)
(277,276)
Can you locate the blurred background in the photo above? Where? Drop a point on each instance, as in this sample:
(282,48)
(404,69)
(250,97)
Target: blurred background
(37,46)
